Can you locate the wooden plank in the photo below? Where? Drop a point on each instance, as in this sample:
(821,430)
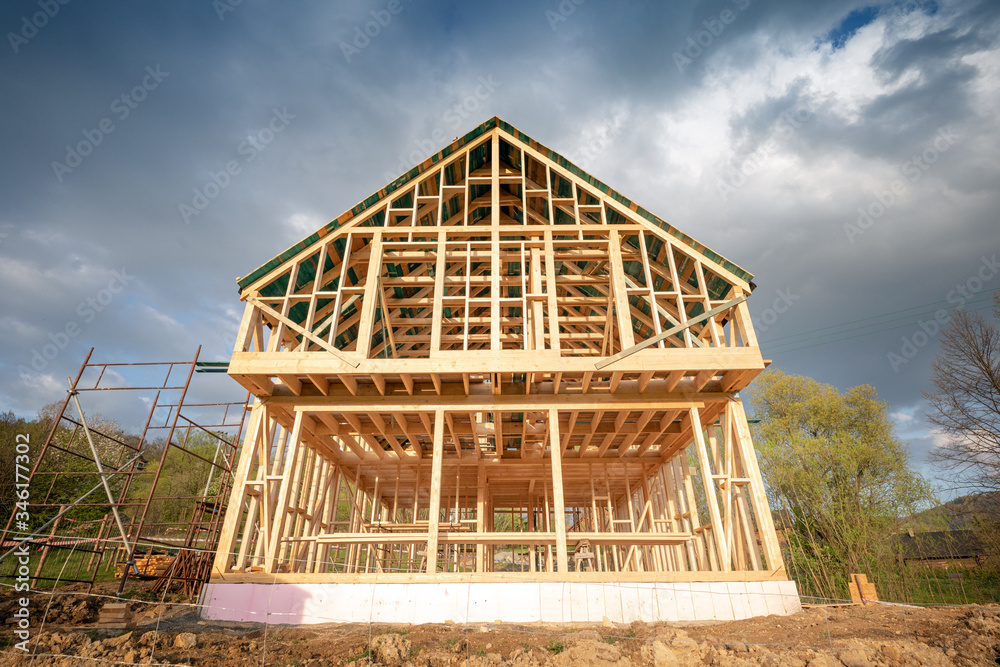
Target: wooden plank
(765,524)
(439,275)
(435,499)
(670,332)
(622,310)
(711,499)
(559,506)
(497,577)
(227,535)
(487,361)
(371,298)
(481,515)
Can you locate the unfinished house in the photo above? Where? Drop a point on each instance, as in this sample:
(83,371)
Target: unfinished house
(497,389)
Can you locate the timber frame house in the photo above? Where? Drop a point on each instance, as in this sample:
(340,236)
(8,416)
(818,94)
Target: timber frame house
(497,369)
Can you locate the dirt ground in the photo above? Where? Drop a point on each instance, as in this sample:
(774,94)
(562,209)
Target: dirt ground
(169,632)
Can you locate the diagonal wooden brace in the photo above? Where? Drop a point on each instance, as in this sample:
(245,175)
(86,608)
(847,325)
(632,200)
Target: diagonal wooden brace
(670,332)
(301,330)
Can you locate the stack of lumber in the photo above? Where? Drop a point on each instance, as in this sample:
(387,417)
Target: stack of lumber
(862,591)
(150,567)
(115,616)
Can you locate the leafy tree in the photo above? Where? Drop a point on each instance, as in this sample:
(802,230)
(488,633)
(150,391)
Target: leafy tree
(69,452)
(183,476)
(11,427)
(839,478)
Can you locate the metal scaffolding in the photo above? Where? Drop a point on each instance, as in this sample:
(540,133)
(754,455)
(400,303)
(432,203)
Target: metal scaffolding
(87,535)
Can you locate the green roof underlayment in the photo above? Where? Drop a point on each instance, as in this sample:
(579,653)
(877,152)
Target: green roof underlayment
(458,144)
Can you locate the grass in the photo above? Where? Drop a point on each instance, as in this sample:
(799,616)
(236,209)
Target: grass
(556,647)
(367,653)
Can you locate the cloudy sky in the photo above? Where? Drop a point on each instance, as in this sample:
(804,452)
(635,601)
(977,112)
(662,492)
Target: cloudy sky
(846,154)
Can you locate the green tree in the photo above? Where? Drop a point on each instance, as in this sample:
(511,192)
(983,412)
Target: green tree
(31,432)
(69,453)
(839,478)
(184,478)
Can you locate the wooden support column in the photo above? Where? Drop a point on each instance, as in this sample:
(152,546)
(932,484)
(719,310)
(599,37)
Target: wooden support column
(562,556)
(227,537)
(555,342)
(481,515)
(372,296)
(711,497)
(495,263)
(433,522)
(765,525)
(282,505)
(618,286)
(439,271)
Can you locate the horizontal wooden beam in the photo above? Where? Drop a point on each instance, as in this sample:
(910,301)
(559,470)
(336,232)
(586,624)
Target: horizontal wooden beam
(495,361)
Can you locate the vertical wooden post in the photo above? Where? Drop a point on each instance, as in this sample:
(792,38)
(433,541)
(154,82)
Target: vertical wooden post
(496,264)
(532,549)
(765,525)
(481,515)
(371,298)
(618,287)
(711,497)
(562,556)
(227,536)
(435,509)
(281,508)
(439,271)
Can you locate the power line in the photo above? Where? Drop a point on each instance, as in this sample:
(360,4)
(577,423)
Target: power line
(874,317)
(864,326)
(866,333)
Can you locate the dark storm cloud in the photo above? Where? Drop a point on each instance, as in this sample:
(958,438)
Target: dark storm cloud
(597,81)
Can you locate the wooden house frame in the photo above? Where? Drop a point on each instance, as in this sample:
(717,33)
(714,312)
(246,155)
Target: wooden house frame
(496,370)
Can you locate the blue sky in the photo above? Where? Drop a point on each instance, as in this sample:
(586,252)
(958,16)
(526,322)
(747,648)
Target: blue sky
(845,153)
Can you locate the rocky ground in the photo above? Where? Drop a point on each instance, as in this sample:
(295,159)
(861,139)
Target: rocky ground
(169,632)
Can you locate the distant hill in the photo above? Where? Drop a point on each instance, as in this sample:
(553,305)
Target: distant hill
(957,514)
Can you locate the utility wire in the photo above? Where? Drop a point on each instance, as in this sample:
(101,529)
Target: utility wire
(866,333)
(874,324)
(875,317)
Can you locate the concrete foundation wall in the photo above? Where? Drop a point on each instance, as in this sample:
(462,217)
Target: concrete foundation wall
(512,602)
